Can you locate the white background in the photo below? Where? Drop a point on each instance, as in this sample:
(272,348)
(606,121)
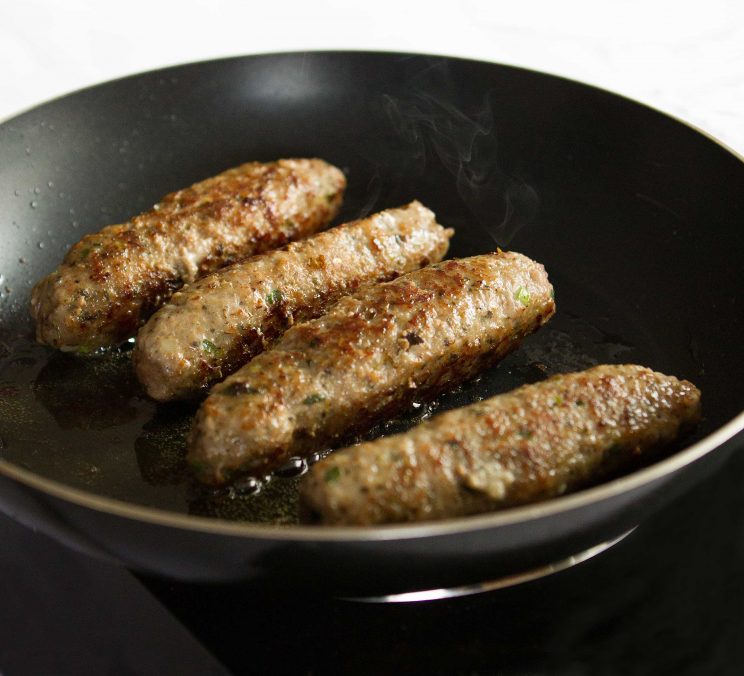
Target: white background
(686,58)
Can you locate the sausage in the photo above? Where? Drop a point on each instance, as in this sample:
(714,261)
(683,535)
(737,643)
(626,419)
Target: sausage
(111,281)
(370,356)
(215,325)
(533,443)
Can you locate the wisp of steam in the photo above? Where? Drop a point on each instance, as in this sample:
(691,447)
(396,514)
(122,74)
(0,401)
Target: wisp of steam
(467,146)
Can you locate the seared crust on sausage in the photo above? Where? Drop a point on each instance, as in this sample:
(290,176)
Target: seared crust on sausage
(111,281)
(369,357)
(215,325)
(530,444)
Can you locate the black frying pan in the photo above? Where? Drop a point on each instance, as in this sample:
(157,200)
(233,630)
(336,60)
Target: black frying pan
(637,217)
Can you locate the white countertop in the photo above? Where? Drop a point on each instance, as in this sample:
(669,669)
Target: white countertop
(682,57)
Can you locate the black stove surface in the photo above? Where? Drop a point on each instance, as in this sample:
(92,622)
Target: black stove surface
(669,599)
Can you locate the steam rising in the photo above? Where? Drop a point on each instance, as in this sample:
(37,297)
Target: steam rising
(373,194)
(467,146)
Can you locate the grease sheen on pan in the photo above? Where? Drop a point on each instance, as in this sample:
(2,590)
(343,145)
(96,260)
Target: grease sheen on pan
(366,359)
(213,326)
(112,280)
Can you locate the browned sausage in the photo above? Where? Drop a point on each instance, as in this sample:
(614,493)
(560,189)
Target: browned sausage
(111,281)
(370,356)
(215,325)
(533,443)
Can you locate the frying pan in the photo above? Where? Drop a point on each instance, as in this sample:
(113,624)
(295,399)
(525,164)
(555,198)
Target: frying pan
(636,216)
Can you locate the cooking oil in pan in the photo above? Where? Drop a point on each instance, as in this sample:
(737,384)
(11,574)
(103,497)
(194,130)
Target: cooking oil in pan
(86,422)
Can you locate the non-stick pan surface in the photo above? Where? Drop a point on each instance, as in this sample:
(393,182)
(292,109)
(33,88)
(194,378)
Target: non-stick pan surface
(637,217)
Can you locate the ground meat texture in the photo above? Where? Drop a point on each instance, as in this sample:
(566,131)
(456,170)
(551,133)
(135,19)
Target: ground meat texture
(367,359)
(212,327)
(111,281)
(533,443)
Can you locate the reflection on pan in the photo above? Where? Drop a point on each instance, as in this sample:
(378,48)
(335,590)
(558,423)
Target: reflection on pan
(88,393)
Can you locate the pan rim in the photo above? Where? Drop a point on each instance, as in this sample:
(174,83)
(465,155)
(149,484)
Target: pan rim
(309,533)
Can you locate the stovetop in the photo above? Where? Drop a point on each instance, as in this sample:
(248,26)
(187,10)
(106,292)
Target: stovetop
(669,599)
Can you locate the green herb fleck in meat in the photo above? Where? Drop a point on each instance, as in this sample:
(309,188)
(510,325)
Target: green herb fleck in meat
(332,474)
(274,297)
(210,348)
(523,296)
(313,398)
